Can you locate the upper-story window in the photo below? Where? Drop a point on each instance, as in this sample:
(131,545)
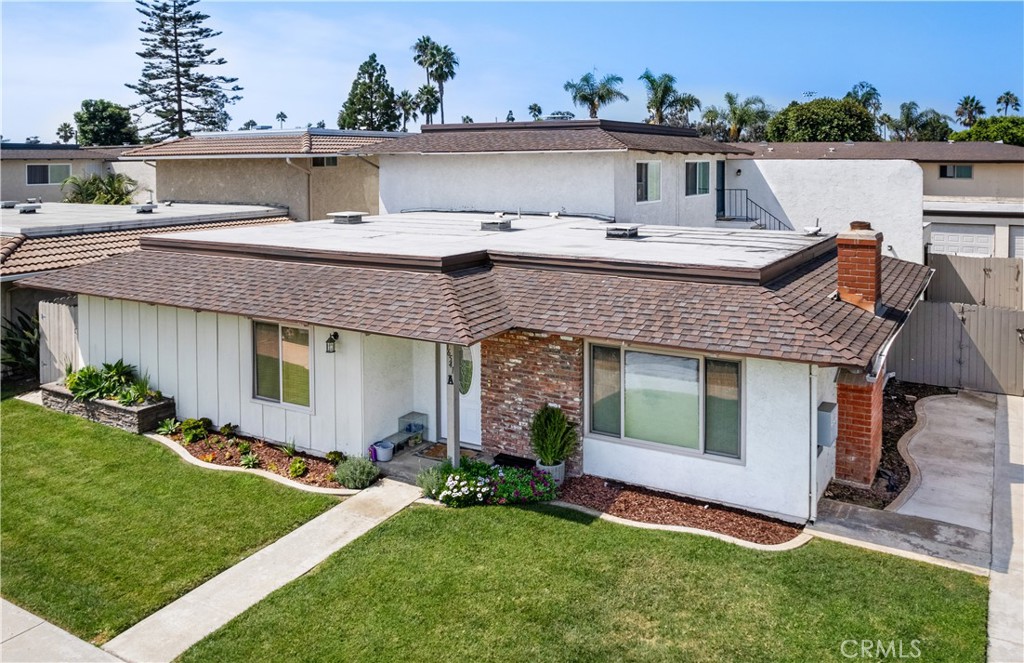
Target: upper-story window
(648,181)
(698,178)
(959,171)
(52,173)
(320,162)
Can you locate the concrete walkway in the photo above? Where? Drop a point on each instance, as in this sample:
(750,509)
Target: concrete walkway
(25,638)
(171,630)
(1006,586)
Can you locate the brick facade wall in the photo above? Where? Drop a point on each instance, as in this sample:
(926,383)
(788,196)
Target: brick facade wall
(521,372)
(859,444)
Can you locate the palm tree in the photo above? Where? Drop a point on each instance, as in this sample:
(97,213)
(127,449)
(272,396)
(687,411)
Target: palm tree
(442,68)
(422,50)
(251,124)
(467,119)
(868,97)
(590,94)
(281,117)
(661,95)
(535,111)
(1008,100)
(968,110)
(685,103)
(408,107)
(428,102)
(712,124)
(911,123)
(65,132)
(745,115)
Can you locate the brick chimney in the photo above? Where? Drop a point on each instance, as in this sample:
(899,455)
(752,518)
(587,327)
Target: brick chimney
(860,266)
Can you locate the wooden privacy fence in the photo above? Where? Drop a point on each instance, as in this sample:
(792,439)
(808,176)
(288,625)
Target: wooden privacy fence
(962,346)
(972,280)
(58,338)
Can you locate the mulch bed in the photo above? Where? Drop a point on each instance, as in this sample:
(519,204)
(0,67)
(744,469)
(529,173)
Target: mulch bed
(898,417)
(649,506)
(439,451)
(220,450)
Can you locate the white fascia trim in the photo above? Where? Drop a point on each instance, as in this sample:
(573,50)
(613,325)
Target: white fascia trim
(301,155)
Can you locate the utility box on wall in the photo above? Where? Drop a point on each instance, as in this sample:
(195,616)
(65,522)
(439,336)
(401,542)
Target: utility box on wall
(828,424)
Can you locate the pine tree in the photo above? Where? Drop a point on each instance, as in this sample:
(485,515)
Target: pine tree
(174,85)
(371,103)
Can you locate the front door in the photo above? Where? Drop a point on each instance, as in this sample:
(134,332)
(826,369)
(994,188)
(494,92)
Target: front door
(720,188)
(469,387)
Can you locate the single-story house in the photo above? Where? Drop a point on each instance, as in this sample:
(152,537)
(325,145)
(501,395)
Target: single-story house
(308,171)
(36,170)
(961,198)
(743,367)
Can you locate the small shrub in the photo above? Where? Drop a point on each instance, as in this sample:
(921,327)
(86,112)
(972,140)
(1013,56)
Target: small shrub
(117,377)
(514,485)
(297,468)
(273,467)
(228,430)
(244,447)
(462,488)
(335,457)
(356,473)
(168,426)
(193,430)
(207,424)
(289,449)
(552,437)
(209,458)
(249,460)
(86,384)
(432,479)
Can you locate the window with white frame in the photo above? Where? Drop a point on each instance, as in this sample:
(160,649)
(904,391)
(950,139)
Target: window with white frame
(47,173)
(675,400)
(648,181)
(281,363)
(698,178)
(959,171)
(321,162)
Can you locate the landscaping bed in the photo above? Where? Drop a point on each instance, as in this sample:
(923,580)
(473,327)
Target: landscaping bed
(131,418)
(650,506)
(898,417)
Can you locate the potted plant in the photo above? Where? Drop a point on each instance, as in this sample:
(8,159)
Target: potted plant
(553,439)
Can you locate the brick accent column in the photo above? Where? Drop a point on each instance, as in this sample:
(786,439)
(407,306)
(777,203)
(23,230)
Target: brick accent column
(859,265)
(520,372)
(859,444)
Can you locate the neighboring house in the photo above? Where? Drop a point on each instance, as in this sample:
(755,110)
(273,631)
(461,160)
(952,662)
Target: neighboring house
(37,170)
(697,361)
(310,172)
(964,198)
(629,172)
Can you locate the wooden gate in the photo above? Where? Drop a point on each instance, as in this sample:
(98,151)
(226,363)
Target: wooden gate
(58,338)
(972,280)
(962,346)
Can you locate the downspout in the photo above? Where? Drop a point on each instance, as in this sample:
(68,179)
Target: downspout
(879,359)
(309,186)
(812,420)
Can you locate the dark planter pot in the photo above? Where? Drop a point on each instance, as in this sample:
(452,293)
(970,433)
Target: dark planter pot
(132,418)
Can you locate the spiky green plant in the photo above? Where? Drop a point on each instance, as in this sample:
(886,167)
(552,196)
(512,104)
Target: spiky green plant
(552,436)
(112,189)
(19,344)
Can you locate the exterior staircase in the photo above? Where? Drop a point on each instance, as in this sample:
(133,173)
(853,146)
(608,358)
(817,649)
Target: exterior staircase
(737,210)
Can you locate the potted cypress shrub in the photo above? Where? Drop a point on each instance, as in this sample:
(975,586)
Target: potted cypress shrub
(553,439)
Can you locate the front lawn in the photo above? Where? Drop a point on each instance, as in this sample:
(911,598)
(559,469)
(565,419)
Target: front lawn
(99,527)
(546,584)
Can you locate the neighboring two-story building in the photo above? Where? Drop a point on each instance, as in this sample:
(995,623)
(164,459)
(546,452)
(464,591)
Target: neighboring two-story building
(37,170)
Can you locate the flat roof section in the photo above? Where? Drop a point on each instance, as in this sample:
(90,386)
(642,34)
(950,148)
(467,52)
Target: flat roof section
(54,219)
(447,241)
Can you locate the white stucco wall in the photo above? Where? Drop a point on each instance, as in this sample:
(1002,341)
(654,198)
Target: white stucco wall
(141,172)
(204,360)
(774,473)
(886,193)
(675,208)
(14,178)
(991,180)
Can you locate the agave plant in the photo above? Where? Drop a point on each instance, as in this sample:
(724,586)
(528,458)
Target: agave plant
(113,189)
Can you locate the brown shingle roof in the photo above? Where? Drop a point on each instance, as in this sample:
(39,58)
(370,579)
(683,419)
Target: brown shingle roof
(925,151)
(793,318)
(287,143)
(66,152)
(556,136)
(25,255)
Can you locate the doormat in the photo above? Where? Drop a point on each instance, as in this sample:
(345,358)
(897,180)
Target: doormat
(439,451)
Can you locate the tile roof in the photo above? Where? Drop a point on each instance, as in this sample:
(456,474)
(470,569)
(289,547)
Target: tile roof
(792,318)
(556,136)
(278,143)
(25,255)
(926,151)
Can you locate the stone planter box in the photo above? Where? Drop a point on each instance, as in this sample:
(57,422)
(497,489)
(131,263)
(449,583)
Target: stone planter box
(134,418)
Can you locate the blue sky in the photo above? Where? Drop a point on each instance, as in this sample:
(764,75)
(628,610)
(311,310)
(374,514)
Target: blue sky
(301,57)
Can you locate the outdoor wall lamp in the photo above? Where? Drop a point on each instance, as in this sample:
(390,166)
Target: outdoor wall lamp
(739,171)
(330,342)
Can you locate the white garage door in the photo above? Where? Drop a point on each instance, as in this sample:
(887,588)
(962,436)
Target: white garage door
(1017,241)
(962,239)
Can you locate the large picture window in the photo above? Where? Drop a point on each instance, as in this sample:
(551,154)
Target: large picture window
(698,178)
(281,363)
(54,173)
(684,402)
(648,181)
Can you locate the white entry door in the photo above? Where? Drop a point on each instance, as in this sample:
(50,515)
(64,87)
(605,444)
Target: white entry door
(468,378)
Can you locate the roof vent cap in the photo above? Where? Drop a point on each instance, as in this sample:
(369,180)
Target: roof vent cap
(346,217)
(622,232)
(27,208)
(144,209)
(496,224)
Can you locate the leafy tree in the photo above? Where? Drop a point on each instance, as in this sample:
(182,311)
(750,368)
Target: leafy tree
(442,69)
(281,117)
(102,122)
(467,119)
(510,117)
(1008,100)
(934,126)
(423,51)
(592,94)
(1009,129)
(408,107)
(968,110)
(745,120)
(65,132)
(175,86)
(32,140)
(371,103)
(321,124)
(912,124)
(822,120)
(535,111)
(428,102)
(562,115)
(249,125)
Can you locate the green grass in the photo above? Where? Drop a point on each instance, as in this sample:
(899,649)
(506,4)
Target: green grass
(99,527)
(546,584)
